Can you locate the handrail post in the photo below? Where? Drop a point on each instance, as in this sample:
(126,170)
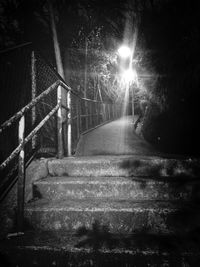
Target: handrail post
(69,126)
(33,94)
(21,176)
(59,123)
(77,119)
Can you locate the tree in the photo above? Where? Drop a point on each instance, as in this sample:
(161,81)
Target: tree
(173,44)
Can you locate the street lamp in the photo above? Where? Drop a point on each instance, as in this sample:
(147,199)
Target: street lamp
(129,75)
(124,51)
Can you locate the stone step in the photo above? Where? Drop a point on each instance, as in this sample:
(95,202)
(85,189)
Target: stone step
(141,188)
(117,216)
(102,249)
(126,166)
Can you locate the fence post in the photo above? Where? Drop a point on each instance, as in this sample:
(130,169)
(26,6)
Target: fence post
(113,111)
(33,95)
(90,114)
(86,115)
(96,118)
(59,123)
(118,110)
(105,111)
(133,104)
(101,112)
(77,119)
(21,177)
(80,117)
(109,112)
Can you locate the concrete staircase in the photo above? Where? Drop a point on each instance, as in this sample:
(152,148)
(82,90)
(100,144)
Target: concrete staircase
(125,194)
(116,210)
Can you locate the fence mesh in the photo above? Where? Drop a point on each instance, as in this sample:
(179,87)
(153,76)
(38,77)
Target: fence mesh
(45,77)
(19,70)
(24,75)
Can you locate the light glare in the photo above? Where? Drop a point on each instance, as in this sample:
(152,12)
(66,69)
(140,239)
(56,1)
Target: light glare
(124,51)
(129,76)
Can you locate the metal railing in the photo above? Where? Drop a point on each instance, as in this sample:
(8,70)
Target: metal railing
(77,116)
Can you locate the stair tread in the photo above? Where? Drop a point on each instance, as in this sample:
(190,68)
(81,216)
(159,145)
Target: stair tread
(128,166)
(101,204)
(87,179)
(103,158)
(58,248)
(111,179)
(86,238)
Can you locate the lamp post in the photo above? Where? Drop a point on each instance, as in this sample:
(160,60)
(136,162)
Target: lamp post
(129,75)
(130,78)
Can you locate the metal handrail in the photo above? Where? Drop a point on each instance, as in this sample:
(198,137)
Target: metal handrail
(28,138)
(14,47)
(21,112)
(99,111)
(65,86)
(25,109)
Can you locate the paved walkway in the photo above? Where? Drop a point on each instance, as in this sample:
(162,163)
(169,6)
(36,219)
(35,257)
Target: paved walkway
(114,138)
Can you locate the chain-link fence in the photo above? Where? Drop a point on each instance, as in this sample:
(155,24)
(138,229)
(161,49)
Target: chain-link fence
(24,76)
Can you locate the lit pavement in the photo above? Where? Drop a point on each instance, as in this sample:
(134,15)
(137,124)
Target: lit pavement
(114,138)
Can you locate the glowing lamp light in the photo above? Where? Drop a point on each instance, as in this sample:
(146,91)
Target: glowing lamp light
(129,76)
(124,51)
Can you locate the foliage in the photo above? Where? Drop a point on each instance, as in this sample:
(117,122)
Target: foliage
(76,21)
(167,53)
(174,56)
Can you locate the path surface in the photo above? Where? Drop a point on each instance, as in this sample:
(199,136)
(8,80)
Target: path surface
(114,138)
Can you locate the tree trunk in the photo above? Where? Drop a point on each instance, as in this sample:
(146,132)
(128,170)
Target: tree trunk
(55,43)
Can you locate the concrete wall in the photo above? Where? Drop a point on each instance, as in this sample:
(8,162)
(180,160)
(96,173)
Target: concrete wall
(36,170)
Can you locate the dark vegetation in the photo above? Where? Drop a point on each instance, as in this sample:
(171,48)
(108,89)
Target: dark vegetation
(172,34)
